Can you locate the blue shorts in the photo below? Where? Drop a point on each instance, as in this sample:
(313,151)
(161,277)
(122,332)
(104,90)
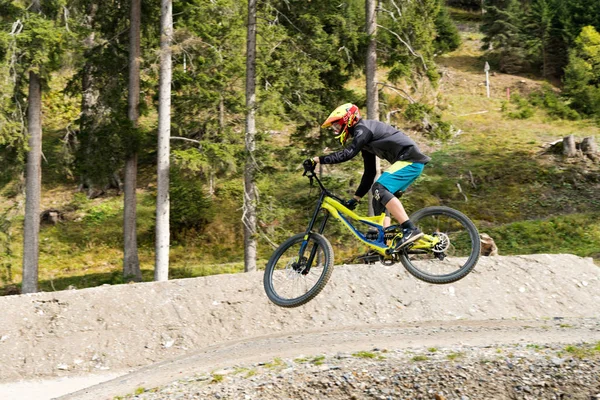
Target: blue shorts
(396,178)
(400,175)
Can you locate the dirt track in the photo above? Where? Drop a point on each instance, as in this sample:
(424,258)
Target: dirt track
(123,328)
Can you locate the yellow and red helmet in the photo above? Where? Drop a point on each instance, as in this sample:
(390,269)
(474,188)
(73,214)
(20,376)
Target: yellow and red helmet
(347,115)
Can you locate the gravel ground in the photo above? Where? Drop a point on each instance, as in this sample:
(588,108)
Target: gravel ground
(466,372)
(152,334)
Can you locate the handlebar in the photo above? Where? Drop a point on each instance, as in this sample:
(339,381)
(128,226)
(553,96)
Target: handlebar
(309,166)
(309,171)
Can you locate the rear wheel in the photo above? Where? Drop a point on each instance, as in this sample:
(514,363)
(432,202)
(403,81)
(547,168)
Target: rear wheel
(298,270)
(456,253)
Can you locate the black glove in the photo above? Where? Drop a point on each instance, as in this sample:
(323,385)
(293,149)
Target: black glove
(309,165)
(351,204)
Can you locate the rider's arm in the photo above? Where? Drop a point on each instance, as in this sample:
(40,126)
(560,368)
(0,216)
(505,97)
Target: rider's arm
(369,175)
(362,136)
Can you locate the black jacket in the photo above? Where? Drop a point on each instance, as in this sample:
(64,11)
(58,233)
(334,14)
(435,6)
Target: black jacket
(374,138)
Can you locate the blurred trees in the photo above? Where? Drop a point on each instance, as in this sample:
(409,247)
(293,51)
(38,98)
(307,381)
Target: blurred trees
(306,57)
(554,38)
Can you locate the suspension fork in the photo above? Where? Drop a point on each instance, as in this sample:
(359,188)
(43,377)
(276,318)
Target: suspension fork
(313,221)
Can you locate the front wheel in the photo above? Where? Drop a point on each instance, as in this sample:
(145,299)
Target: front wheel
(454,255)
(298,270)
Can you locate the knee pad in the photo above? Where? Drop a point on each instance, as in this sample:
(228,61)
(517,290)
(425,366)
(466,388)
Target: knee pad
(381,196)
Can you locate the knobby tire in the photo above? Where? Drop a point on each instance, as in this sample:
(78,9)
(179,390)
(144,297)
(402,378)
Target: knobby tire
(281,264)
(415,265)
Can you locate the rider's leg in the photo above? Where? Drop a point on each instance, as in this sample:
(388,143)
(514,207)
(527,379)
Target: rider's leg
(398,177)
(383,199)
(396,208)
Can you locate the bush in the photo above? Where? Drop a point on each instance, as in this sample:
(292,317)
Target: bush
(448,38)
(553,103)
(415,112)
(191,209)
(524,110)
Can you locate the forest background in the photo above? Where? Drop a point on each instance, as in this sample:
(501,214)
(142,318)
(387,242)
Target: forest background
(491,155)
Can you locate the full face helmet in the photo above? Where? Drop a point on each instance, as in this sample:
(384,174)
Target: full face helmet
(344,117)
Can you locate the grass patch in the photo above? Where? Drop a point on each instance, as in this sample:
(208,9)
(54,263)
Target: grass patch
(575,234)
(455,356)
(318,360)
(584,351)
(420,358)
(368,354)
(276,363)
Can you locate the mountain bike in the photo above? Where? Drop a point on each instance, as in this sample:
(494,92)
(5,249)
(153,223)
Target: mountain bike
(301,266)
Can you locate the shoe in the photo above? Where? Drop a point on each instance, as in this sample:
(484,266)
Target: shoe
(408,236)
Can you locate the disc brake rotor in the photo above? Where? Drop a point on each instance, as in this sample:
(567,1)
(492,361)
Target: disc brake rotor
(443,244)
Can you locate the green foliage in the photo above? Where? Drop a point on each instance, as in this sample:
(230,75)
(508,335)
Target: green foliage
(315,52)
(208,69)
(406,44)
(577,233)
(503,27)
(455,356)
(415,112)
(524,110)
(535,35)
(31,41)
(582,75)
(191,208)
(218,159)
(102,213)
(538,26)
(555,104)
(448,38)
(437,129)
(368,355)
(39,42)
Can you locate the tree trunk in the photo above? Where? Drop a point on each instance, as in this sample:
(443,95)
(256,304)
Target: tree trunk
(89,98)
(569,146)
(131,264)
(371,61)
(249,210)
(131,261)
(31,228)
(221,114)
(161,270)
(371,76)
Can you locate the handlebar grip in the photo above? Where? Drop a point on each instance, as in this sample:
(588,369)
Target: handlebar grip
(309,165)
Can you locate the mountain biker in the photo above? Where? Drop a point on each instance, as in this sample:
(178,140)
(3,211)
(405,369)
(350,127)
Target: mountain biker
(374,138)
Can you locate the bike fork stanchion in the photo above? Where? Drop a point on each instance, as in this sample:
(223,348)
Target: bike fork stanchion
(313,251)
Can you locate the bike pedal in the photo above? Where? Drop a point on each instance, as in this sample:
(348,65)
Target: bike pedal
(370,259)
(404,248)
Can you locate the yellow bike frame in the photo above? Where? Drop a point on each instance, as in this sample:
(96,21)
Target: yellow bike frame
(344,214)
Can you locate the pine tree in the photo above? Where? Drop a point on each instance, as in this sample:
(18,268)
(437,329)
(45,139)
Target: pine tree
(407,36)
(538,28)
(447,37)
(504,39)
(582,74)
(34,48)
